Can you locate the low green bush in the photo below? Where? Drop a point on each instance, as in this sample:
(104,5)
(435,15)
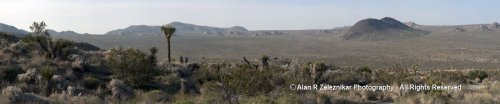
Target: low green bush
(248,81)
(47,72)
(477,74)
(9,72)
(91,82)
(132,66)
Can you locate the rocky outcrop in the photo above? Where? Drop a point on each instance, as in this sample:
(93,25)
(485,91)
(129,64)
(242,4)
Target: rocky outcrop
(412,24)
(120,90)
(31,76)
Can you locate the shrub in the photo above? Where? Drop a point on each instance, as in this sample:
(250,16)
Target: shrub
(65,98)
(365,69)
(153,97)
(61,48)
(264,59)
(447,77)
(86,46)
(344,77)
(477,74)
(37,42)
(90,82)
(47,72)
(132,66)
(248,81)
(261,99)
(216,93)
(10,72)
(8,38)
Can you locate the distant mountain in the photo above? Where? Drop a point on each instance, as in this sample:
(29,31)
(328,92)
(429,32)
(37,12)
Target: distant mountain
(137,30)
(181,29)
(63,33)
(12,30)
(385,28)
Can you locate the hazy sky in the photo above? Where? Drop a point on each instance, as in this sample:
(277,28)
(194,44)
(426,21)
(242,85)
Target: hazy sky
(100,16)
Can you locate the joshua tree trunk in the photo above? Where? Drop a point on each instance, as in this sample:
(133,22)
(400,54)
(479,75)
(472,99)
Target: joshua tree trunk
(168,31)
(168,45)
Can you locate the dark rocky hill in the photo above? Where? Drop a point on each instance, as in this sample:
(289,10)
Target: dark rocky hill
(385,28)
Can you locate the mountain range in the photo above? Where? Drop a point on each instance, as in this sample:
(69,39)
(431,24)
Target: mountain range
(366,29)
(181,28)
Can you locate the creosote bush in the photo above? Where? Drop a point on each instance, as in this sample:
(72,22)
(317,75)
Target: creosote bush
(9,72)
(91,82)
(132,66)
(5,37)
(477,74)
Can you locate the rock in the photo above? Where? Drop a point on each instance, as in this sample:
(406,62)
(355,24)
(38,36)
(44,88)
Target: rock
(59,82)
(411,24)
(15,95)
(11,92)
(78,63)
(31,76)
(73,91)
(458,29)
(119,90)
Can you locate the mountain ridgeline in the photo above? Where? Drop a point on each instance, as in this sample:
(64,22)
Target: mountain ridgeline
(12,30)
(64,33)
(368,29)
(385,28)
(182,28)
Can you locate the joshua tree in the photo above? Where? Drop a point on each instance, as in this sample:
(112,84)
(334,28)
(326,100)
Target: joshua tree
(38,29)
(40,36)
(168,31)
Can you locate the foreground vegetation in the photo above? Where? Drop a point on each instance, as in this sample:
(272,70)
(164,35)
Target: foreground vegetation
(39,69)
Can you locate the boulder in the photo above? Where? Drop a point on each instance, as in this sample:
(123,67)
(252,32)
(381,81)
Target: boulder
(59,82)
(31,76)
(119,90)
(458,29)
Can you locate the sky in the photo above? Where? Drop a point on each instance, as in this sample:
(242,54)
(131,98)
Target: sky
(101,16)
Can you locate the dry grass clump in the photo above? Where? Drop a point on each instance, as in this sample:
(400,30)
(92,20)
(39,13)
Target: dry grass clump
(67,98)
